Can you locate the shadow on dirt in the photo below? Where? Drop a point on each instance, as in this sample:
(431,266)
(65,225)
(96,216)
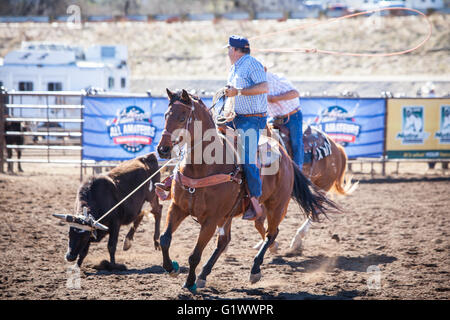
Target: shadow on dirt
(261,294)
(328,264)
(149,270)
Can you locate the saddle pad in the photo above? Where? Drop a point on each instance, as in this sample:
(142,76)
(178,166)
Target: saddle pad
(268,151)
(316,143)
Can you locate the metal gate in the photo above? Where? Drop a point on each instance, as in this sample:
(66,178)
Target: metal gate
(50,123)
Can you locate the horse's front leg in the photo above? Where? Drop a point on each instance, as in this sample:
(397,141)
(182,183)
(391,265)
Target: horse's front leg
(206,232)
(174,217)
(156,210)
(223,240)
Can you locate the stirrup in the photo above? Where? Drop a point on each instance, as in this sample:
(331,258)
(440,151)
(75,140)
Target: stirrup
(254,211)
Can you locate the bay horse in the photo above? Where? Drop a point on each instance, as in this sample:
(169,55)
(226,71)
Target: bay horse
(212,191)
(327,173)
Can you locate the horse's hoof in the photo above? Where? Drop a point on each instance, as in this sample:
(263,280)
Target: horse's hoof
(176,269)
(255,277)
(274,248)
(201,283)
(192,289)
(126,244)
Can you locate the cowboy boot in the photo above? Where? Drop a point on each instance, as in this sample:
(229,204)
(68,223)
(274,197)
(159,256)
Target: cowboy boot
(162,187)
(254,211)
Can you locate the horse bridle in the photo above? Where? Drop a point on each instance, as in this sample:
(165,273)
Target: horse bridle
(217,97)
(189,119)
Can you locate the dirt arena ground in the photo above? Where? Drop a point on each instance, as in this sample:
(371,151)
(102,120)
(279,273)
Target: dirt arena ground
(391,243)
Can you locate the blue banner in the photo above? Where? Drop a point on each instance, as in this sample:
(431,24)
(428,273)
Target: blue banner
(357,124)
(121,128)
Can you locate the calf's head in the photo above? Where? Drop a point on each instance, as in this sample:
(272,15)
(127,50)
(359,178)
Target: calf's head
(82,230)
(78,240)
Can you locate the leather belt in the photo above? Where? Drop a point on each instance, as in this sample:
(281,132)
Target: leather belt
(289,114)
(261,115)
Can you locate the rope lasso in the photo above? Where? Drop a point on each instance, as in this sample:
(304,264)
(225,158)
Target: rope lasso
(331,52)
(137,188)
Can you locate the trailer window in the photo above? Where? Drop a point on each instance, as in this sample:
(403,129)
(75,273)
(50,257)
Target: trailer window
(110,82)
(54,86)
(25,86)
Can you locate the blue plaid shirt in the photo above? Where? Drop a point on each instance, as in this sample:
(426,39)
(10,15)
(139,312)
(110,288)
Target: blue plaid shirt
(247,72)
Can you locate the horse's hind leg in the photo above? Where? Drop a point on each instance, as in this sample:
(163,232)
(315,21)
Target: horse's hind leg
(297,242)
(255,273)
(130,235)
(272,231)
(223,240)
(259,225)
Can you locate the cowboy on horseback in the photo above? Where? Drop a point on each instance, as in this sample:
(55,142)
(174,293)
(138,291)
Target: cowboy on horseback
(284,107)
(247,83)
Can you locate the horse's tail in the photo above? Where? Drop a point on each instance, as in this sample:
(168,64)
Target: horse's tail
(312,200)
(339,186)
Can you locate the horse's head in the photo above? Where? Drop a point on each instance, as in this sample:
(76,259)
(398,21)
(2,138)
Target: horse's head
(182,111)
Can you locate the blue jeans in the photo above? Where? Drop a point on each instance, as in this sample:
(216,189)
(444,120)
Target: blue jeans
(250,137)
(295,126)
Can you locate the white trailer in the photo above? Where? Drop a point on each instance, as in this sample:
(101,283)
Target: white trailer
(58,67)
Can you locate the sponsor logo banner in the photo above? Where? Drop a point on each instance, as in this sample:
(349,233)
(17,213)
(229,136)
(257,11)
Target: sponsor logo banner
(356,124)
(418,128)
(122,128)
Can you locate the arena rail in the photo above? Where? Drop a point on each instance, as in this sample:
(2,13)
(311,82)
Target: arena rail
(49,123)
